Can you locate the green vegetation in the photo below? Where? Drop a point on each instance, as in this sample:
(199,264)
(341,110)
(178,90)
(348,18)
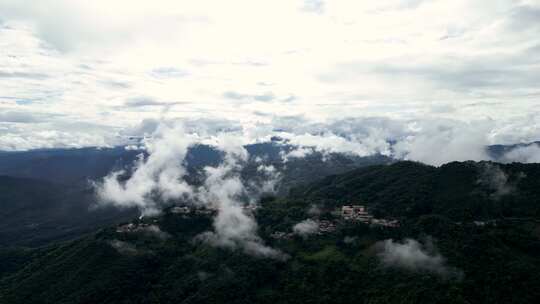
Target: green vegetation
(35,212)
(495,261)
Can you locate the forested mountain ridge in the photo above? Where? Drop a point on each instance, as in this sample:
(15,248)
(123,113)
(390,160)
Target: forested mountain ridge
(459,190)
(75,166)
(476,241)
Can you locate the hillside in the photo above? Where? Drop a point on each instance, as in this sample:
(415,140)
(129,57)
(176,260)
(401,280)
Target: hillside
(77,166)
(69,166)
(461,191)
(35,212)
(436,255)
(46,195)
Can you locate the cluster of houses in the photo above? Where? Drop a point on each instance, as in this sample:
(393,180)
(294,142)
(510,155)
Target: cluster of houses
(185,210)
(206,210)
(181,210)
(357,213)
(361,214)
(326,226)
(280,235)
(132,227)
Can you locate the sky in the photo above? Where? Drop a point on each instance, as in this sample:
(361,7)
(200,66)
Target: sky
(349,76)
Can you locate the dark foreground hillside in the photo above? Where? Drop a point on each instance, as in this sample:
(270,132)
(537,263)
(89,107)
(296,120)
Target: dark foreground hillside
(36,212)
(468,233)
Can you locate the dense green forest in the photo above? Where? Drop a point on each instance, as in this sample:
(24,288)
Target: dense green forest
(476,228)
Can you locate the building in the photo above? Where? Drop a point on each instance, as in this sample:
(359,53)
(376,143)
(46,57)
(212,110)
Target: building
(131,227)
(206,211)
(385,223)
(356,212)
(326,227)
(181,210)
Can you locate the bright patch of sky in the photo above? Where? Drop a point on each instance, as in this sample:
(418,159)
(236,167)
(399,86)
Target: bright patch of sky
(79,73)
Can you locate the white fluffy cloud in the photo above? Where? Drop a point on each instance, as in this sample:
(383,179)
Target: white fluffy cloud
(233,227)
(306,228)
(496,180)
(524,154)
(414,256)
(339,76)
(158,180)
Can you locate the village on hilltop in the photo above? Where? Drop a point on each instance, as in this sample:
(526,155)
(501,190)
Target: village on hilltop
(356,213)
(346,213)
(361,214)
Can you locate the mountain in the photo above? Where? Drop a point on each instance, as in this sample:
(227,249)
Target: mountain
(77,166)
(65,166)
(34,212)
(68,166)
(46,195)
(59,180)
(468,233)
(498,152)
(459,189)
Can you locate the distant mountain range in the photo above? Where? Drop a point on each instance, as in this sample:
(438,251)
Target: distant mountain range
(69,166)
(497,152)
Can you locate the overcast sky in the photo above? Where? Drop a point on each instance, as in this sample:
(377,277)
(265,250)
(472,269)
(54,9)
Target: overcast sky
(79,73)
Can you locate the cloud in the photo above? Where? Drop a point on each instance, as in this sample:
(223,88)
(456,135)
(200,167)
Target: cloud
(115,84)
(414,256)
(270,178)
(332,143)
(399,78)
(437,143)
(429,141)
(482,75)
(306,228)
(496,180)
(267,96)
(27,135)
(156,179)
(124,247)
(19,117)
(75,25)
(144,101)
(159,178)
(234,95)
(524,18)
(36,76)
(298,152)
(410,4)
(222,189)
(314,210)
(168,72)
(313,6)
(524,154)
